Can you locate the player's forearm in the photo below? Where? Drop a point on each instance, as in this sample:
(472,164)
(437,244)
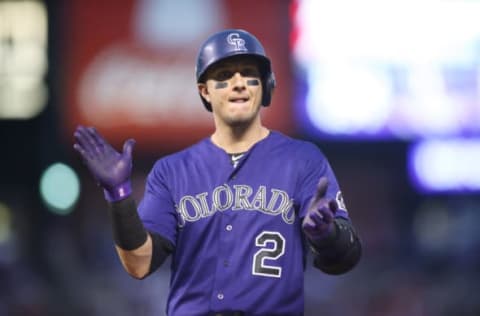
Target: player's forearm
(339,253)
(137,261)
(141,252)
(127,228)
(132,242)
(144,260)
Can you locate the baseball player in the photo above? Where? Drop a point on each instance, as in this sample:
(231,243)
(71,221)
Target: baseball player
(239,210)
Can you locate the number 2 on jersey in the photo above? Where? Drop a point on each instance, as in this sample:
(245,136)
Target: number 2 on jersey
(273,247)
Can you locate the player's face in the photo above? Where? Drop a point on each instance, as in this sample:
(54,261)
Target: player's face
(234,89)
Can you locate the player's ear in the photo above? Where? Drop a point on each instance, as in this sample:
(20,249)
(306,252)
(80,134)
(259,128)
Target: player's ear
(203,90)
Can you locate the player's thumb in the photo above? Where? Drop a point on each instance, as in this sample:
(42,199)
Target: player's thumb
(128,147)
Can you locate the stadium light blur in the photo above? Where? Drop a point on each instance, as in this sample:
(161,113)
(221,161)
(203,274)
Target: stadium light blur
(23,59)
(59,188)
(5,223)
(445,165)
(398,81)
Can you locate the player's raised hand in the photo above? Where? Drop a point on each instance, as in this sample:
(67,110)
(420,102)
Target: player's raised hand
(318,223)
(110,168)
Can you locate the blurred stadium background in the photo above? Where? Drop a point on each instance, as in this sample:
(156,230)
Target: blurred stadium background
(389,90)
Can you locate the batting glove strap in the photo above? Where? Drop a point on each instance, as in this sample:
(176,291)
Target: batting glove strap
(341,253)
(118,193)
(128,230)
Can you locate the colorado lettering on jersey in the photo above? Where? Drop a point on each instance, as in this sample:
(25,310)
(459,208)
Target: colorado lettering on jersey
(239,197)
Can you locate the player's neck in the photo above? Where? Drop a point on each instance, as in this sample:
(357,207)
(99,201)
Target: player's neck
(236,140)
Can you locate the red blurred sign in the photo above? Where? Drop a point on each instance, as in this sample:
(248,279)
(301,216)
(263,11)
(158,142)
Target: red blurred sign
(129,66)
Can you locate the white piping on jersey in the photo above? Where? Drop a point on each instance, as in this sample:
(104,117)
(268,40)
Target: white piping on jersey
(239,198)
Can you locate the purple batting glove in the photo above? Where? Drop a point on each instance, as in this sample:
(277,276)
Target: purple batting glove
(318,223)
(110,168)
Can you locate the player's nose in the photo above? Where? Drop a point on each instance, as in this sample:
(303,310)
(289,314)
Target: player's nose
(238,81)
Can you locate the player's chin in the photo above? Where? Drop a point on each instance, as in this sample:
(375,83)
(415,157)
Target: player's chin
(240,120)
(241,114)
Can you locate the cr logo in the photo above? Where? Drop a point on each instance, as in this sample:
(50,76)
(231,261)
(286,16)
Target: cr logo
(235,40)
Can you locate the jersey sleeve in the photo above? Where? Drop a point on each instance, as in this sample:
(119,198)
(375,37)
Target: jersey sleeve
(316,166)
(157,208)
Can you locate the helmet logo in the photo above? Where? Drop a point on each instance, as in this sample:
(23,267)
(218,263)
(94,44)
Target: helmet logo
(235,40)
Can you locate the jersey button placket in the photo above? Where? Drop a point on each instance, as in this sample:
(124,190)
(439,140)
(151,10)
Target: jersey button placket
(228,228)
(223,279)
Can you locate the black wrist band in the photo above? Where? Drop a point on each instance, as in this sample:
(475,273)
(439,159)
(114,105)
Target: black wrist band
(338,241)
(342,253)
(128,230)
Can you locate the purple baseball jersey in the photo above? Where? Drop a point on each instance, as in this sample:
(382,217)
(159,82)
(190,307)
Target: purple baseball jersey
(237,233)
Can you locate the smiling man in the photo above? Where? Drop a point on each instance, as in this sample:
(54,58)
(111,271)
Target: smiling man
(238,211)
(233,87)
